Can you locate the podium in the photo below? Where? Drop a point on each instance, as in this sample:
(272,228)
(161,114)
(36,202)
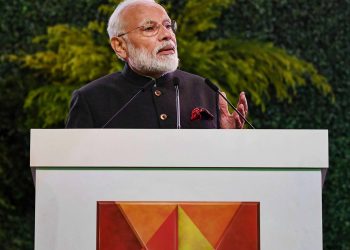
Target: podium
(281,170)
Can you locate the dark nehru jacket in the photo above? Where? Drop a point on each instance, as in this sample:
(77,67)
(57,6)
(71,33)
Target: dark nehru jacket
(95,103)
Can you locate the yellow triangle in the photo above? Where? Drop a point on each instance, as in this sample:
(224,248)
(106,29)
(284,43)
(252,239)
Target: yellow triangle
(211,218)
(190,238)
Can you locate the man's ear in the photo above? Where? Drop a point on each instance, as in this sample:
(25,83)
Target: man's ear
(119,46)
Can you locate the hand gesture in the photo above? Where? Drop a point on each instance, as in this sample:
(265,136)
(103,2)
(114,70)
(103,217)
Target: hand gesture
(233,120)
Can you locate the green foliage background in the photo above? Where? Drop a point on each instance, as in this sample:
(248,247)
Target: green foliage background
(282,53)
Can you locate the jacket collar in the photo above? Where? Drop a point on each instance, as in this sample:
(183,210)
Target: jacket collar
(140,80)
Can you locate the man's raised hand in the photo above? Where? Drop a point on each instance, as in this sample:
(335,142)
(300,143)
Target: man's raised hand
(233,121)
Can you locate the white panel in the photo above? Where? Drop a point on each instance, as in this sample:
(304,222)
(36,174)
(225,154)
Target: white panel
(179,148)
(290,206)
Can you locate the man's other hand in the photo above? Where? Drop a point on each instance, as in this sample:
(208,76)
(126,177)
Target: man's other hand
(233,120)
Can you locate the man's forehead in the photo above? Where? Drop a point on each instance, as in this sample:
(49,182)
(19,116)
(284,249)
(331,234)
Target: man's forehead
(142,13)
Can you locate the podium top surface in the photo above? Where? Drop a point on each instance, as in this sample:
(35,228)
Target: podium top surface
(179,148)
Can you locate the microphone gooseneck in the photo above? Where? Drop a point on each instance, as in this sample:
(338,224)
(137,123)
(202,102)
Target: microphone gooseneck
(128,102)
(217,90)
(178,110)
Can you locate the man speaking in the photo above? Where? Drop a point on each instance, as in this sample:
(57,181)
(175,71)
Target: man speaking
(149,92)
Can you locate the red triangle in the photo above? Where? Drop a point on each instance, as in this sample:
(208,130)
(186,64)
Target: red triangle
(166,236)
(243,231)
(113,230)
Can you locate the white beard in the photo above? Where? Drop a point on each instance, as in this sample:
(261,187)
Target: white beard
(146,62)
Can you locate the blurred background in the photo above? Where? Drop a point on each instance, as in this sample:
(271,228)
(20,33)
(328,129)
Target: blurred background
(291,57)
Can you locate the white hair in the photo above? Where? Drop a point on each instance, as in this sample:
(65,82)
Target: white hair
(115,23)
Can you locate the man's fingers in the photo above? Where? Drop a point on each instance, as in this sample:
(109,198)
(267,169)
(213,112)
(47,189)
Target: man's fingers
(237,120)
(223,106)
(243,100)
(234,120)
(240,108)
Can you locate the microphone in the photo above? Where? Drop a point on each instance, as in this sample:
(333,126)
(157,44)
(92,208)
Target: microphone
(178,111)
(128,102)
(217,90)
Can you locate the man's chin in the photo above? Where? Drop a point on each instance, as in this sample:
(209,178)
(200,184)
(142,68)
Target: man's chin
(163,57)
(160,64)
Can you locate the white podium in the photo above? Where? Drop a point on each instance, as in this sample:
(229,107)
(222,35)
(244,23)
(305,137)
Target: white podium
(281,169)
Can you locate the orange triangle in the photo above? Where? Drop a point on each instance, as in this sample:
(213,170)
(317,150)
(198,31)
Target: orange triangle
(243,231)
(146,218)
(211,218)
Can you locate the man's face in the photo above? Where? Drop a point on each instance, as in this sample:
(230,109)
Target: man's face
(149,55)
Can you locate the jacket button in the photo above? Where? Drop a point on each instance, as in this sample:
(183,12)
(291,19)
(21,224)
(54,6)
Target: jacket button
(163,117)
(158,92)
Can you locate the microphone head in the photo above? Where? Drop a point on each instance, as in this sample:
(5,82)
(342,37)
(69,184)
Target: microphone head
(211,85)
(176,81)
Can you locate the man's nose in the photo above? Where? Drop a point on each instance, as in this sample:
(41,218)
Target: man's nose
(165,34)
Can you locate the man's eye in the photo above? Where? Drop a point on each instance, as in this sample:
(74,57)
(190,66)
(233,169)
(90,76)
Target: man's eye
(168,26)
(149,28)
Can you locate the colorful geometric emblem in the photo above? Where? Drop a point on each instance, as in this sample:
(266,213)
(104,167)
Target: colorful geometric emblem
(178,226)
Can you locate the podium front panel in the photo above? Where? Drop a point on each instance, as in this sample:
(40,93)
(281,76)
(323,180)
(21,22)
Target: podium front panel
(66,200)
